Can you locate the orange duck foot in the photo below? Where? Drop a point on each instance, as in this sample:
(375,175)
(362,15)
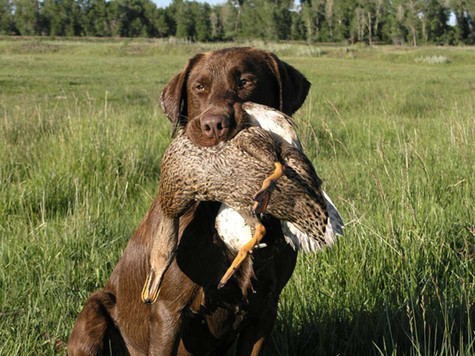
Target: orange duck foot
(243,253)
(262,197)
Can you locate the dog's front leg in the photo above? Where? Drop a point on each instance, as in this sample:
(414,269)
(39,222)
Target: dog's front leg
(164,328)
(251,339)
(250,342)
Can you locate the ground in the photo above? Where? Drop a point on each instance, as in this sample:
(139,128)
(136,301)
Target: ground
(391,130)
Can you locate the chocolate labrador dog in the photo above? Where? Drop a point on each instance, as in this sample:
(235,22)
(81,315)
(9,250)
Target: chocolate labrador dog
(192,316)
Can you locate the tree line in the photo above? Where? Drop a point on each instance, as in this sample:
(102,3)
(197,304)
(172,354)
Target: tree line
(372,21)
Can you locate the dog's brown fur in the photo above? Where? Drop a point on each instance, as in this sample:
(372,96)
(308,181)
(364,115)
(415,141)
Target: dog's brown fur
(191,316)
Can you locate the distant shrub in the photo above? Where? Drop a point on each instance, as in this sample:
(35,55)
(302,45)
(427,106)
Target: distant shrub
(310,52)
(433,60)
(287,49)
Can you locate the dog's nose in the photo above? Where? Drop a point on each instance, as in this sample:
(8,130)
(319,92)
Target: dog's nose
(215,126)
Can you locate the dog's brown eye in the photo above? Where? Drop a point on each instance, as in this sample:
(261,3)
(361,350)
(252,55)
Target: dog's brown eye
(200,87)
(242,83)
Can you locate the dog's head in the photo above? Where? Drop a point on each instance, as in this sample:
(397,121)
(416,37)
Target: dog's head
(207,96)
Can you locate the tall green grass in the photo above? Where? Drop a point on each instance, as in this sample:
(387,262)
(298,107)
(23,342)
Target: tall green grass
(82,134)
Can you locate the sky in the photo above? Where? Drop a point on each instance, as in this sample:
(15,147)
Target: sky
(165,3)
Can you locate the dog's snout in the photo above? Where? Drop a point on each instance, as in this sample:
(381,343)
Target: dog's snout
(215,126)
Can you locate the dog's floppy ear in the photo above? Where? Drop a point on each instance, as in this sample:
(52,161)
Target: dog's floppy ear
(173,98)
(293,86)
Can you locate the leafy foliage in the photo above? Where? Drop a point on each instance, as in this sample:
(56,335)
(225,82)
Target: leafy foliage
(371,21)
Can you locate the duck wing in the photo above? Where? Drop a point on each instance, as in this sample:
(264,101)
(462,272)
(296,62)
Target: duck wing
(303,204)
(283,127)
(299,240)
(335,222)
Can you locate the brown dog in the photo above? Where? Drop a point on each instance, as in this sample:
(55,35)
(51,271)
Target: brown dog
(191,315)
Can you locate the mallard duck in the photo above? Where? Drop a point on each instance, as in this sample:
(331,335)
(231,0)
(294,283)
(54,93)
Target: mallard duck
(243,173)
(230,224)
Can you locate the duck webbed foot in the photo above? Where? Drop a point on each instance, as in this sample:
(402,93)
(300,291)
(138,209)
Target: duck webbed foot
(243,253)
(163,252)
(262,197)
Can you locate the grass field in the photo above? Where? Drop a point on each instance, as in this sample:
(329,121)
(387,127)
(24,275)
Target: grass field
(391,131)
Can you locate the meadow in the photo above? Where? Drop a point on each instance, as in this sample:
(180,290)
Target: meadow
(391,130)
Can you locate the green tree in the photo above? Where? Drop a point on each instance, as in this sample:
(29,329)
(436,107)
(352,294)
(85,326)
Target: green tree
(398,21)
(97,18)
(50,19)
(184,20)
(228,15)
(433,16)
(154,20)
(217,28)
(358,25)
(201,14)
(71,18)
(407,16)
(132,18)
(368,19)
(437,21)
(307,20)
(27,17)
(238,4)
(412,20)
(270,20)
(379,14)
(282,18)
(163,23)
(6,18)
(319,20)
(250,21)
(297,31)
(464,11)
(343,12)
(329,17)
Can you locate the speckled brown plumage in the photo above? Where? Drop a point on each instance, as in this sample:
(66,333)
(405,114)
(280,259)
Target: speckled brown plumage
(232,172)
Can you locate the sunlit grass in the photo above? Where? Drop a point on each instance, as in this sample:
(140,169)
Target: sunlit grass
(82,134)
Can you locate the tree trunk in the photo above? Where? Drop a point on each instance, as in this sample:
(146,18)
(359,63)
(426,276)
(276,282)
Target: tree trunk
(238,19)
(424,31)
(414,35)
(329,15)
(317,29)
(370,27)
(309,30)
(377,18)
